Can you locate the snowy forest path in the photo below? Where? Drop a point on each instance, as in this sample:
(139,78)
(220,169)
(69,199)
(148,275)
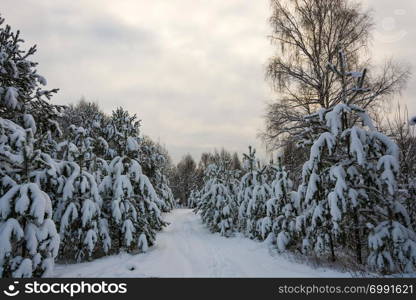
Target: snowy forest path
(186,248)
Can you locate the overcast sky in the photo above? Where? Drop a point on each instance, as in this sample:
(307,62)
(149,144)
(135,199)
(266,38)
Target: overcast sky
(192,70)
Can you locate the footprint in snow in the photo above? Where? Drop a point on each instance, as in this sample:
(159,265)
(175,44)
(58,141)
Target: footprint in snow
(131,267)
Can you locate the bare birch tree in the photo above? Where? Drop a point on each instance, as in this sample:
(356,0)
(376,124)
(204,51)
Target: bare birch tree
(309,35)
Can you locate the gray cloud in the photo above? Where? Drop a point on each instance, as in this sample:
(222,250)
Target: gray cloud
(192,70)
(394,36)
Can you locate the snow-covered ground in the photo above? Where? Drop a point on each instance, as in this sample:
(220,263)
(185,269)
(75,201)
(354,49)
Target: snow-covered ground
(187,249)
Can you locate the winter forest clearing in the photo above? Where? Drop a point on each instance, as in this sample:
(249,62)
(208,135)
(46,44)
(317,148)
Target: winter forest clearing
(186,248)
(85,192)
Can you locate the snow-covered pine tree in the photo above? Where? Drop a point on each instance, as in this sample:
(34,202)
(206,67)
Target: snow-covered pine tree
(29,241)
(194,198)
(155,162)
(117,192)
(280,209)
(392,245)
(196,194)
(164,192)
(264,224)
(232,182)
(79,209)
(98,126)
(245,190)
(407,179)
(254,192)
(349,187)
(216,205)
(259,225)
(129,197)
